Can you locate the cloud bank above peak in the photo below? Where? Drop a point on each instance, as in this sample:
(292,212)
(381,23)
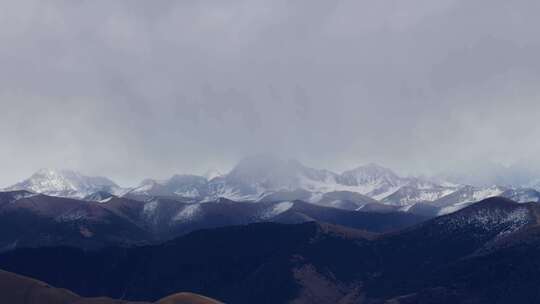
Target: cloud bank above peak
(132,89)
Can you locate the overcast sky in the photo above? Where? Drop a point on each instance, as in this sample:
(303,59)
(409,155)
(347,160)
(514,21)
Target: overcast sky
(135,89)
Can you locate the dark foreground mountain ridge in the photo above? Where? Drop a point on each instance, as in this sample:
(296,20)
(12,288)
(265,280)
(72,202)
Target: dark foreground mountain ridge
(17,289)
(38,220)
(485,253)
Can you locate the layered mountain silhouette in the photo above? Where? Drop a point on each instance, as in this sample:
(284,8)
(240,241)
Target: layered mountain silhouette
(270,179)
(28,220)
(269,231)
(485,253)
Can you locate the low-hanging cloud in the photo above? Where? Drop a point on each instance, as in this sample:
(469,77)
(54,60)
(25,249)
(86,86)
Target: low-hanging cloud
(132,89)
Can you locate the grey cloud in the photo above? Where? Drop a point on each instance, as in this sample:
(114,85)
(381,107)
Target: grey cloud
(135,89)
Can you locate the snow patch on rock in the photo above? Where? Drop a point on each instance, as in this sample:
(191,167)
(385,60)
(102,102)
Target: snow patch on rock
(277,209)
(189,213)
(488,219)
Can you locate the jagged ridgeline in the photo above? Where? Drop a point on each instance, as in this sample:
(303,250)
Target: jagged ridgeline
(269,179)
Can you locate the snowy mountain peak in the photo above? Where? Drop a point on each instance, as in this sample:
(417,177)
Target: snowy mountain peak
(271,179)
(65,183)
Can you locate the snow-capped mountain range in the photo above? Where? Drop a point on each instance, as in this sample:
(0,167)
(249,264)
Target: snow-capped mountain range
(65,183)
(263,178)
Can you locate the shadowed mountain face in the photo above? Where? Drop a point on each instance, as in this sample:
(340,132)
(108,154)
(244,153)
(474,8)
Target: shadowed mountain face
(37,220)
(476,255)
(17,289)
(44,220)
(11,196)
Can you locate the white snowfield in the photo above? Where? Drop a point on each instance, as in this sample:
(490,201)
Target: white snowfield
(189,213)
(276,210)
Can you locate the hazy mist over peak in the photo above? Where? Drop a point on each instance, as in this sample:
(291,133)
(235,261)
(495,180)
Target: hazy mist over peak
(137,89)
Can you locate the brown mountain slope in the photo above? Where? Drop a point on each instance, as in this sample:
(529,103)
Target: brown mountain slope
(17,289)
(187,298)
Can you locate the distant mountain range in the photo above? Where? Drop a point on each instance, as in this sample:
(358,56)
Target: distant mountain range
(367,235)
(485,253)
(269,179)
